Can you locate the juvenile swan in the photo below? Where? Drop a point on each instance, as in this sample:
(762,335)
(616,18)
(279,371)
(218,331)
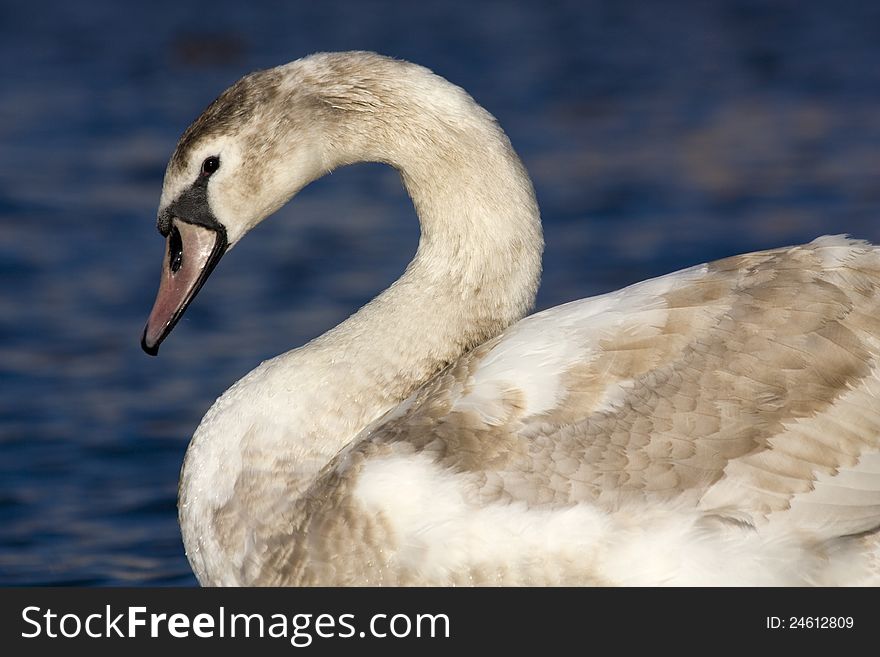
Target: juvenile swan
(718,425)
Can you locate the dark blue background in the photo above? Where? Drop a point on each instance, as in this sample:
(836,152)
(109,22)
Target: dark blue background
(659,135)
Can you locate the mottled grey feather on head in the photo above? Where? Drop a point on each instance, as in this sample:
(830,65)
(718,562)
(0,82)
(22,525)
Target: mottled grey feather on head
(228,112)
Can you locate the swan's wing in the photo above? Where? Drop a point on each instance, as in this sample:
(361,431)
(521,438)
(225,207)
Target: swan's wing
(749,384)
(744,390)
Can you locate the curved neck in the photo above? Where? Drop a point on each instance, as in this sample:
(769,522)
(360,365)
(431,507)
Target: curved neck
(478,262)
(475,272)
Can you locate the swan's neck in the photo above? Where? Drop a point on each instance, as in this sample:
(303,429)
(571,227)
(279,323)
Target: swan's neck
(475,272)
(465,285)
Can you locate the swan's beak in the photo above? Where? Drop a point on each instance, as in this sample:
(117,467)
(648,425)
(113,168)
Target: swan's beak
(192,253)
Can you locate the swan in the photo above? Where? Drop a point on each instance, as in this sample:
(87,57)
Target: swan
(718,425)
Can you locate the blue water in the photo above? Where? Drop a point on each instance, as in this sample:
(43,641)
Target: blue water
(659,135)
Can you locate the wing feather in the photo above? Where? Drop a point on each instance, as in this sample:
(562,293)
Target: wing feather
(749,383)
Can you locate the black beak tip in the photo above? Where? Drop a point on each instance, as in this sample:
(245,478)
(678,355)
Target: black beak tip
(152,350)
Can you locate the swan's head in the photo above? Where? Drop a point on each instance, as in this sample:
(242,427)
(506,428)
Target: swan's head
(243,158)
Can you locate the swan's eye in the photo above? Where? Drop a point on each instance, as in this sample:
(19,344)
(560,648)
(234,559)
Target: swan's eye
(175,250)
(210,165)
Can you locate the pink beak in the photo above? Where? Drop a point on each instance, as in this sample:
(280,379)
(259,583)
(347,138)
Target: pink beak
(191,254)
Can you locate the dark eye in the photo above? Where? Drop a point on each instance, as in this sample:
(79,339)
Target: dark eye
(175,250)
(210,165)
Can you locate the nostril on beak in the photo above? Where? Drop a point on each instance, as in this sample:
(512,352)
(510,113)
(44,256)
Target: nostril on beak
(175,250)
